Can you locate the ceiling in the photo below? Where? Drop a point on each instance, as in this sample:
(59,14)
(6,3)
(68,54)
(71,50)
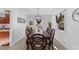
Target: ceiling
(42,11)
(34,11)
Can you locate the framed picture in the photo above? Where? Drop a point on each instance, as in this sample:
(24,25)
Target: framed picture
(60,21)
(20,20)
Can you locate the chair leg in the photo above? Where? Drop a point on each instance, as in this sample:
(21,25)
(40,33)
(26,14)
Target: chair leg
(49,46)
(52,47)
(27,47)
(44,47)
(27,43)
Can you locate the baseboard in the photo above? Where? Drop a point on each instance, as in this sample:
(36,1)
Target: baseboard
(16,41)
(62,43)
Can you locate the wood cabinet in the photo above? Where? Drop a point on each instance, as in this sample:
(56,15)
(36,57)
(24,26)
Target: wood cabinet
(5,20)
(4,30)
(4,38)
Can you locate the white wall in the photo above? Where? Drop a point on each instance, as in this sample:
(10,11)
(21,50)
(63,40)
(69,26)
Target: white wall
(70,37)
(2,10)
(73,31)
(17,29)
(60,35)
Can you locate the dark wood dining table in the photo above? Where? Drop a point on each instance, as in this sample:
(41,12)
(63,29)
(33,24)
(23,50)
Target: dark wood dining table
(47,38)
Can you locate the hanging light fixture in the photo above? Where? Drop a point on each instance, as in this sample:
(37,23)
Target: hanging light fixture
(38,17)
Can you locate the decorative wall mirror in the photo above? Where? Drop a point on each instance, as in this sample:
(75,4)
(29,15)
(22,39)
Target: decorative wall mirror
(75,15)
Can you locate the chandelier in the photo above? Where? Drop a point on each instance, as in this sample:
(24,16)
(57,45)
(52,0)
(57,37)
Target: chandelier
(38,17)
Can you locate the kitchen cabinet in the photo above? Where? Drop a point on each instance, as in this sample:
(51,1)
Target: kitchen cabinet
(5,29)
(5,20)
(4,38)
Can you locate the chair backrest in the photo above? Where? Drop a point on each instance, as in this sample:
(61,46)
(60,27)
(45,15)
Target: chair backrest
(28,31)
(37,40)
(53,33)
(37,37)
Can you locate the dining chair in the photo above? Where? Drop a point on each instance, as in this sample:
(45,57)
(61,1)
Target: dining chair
(37,42)
(28,32)
(49,40)
(52,37)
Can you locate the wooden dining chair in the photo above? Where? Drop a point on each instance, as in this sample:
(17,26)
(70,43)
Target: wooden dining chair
(37,42)
(28,32)
(52,37)
(49,39)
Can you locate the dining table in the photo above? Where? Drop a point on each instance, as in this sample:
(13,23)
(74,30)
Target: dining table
(47,38)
